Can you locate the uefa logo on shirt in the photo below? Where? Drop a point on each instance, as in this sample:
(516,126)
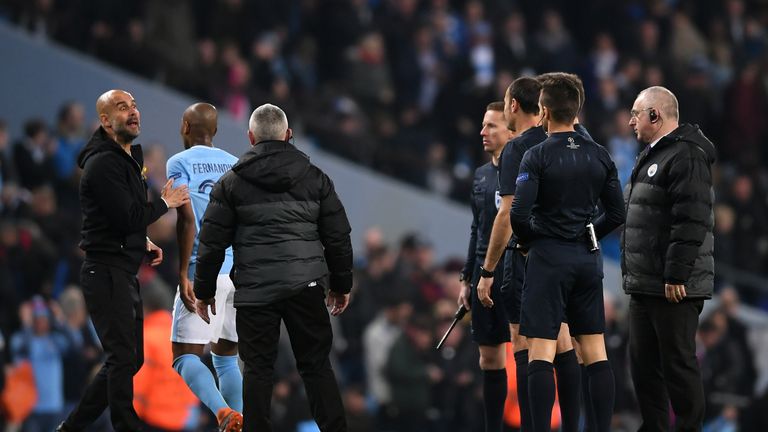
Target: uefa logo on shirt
(652,170)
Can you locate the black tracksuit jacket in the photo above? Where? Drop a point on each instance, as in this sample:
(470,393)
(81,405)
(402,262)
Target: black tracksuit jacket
(113,200)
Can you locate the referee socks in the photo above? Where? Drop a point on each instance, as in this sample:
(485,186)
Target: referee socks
(494,396)
(541,393)
(568,374)
(602,389)
(589,412)
(521,373)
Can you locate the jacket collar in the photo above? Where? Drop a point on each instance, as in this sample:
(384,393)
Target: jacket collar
(271,146)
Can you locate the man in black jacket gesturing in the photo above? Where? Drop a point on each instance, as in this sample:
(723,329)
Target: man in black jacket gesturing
(116,212)
(290,236)
(667,262)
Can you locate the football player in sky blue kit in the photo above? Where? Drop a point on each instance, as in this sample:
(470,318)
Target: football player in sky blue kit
(199,166)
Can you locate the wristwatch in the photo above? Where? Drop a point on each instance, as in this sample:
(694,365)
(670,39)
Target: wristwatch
(462,277)
(485,273)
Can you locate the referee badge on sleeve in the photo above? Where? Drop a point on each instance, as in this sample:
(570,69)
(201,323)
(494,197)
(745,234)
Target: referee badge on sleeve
(522,177)
(497,199)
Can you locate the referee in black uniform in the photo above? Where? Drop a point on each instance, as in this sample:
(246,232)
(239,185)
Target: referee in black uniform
(489,326)
(522,115)
(559,185)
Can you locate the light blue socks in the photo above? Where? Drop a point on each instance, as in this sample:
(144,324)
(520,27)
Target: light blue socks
(230,380)
(200,380)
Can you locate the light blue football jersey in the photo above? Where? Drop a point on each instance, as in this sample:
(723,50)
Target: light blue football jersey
(200,167)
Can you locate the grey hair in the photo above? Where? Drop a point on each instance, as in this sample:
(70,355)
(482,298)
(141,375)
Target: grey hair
(664,99)
(268,122)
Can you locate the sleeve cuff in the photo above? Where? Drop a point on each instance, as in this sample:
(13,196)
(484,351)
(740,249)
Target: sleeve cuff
(341,282)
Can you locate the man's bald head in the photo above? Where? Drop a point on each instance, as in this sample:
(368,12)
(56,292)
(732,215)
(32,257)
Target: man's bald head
(119,116)
(108,100)
(199,124)
(663,100)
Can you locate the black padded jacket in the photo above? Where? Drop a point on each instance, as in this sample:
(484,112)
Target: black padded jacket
(668,236)
(287,227)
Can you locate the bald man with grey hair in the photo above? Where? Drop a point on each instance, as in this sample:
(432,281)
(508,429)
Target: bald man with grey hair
(667,260)
(292,258)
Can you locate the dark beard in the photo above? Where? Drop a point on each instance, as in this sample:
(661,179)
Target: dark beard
(125,136)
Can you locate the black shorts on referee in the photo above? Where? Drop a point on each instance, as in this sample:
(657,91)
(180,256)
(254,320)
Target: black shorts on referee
(562,278)
(512,287)
(489,325)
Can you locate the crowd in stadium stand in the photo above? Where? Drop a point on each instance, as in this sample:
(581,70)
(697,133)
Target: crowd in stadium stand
(399,86)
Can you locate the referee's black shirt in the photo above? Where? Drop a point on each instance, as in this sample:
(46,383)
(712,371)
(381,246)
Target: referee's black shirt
(509,162)
(485,205)
(558,187)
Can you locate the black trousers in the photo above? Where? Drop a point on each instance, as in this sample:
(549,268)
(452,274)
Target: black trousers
(662,349)
(114,303)
(309,329)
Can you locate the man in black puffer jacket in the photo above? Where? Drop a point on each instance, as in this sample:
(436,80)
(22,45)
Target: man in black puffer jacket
(667,260)
(290,236)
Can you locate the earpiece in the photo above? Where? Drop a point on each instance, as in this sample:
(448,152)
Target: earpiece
(653,116)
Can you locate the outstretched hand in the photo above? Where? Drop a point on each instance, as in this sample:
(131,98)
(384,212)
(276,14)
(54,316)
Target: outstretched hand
(175,197)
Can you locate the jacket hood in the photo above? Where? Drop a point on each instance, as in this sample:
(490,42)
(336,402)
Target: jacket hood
(692,133)
(101,142)
(273,165)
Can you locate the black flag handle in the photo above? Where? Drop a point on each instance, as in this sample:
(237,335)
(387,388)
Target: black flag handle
(458,316)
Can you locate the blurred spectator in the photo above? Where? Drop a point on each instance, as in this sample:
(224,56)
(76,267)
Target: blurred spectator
(368,74)
(650,48)
(170,36)
(358,418)
(725,219)
(30,255)
(208,81)
(750,230)
(686,43)
(438,170)
(604,58)
(745,109)
(415,266)
(725,372)
(412,373)
(555,43)
(267,65)
(378,338)
(33,155)
(138,55)
(80,361)
(43,342)
(161,397)
(617,347)
(456,396)
(623,146)
(38,17)
(513,47)
(70,139)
